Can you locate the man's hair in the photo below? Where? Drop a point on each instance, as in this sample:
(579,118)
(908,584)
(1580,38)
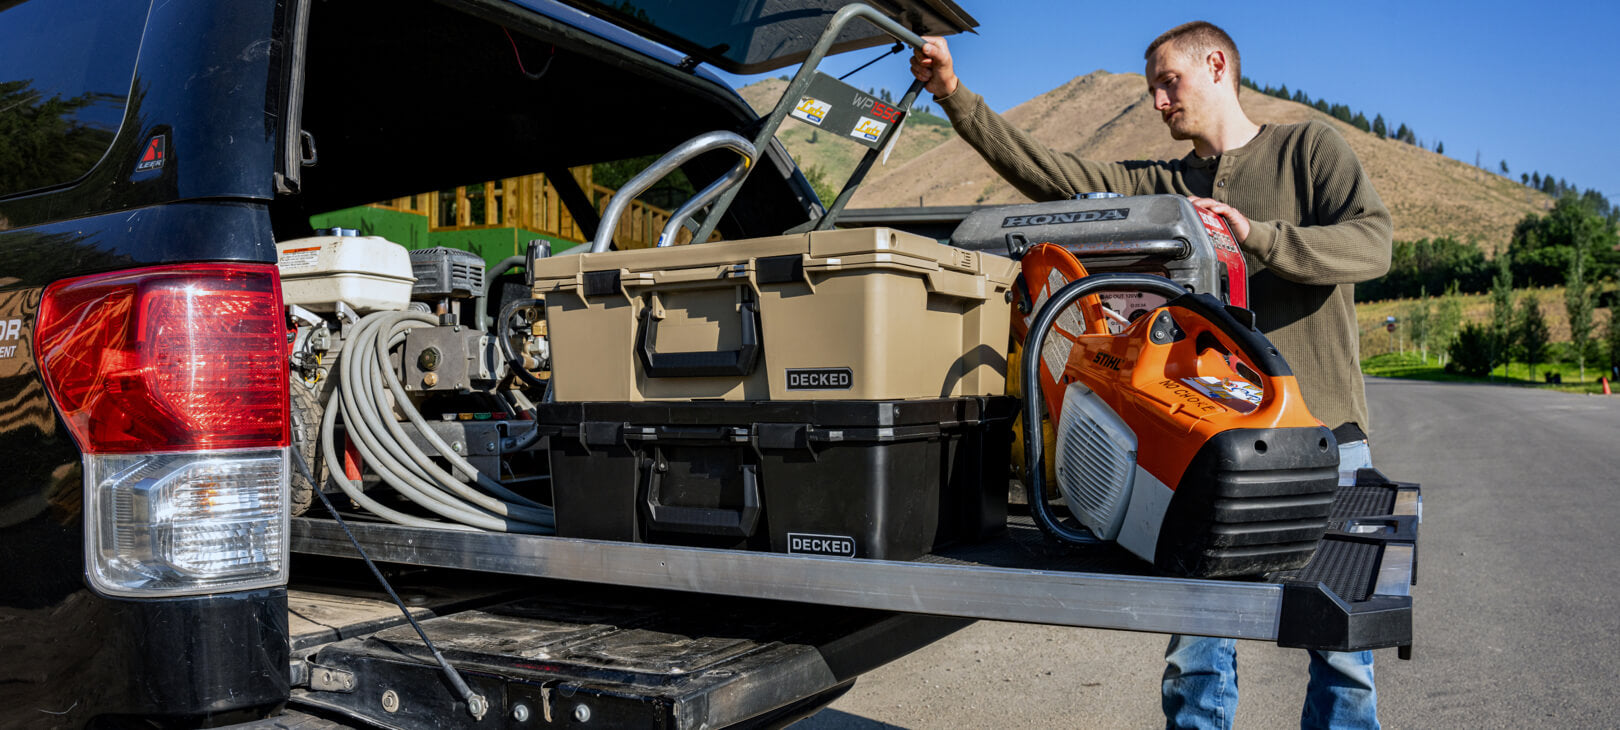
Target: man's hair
(1197,40)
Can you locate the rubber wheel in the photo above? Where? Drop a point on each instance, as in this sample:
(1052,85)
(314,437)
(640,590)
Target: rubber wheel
(306,438)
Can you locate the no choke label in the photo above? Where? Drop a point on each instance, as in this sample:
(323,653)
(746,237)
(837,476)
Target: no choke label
(820,379)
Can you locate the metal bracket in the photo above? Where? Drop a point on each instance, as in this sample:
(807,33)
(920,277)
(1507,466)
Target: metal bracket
(326,679)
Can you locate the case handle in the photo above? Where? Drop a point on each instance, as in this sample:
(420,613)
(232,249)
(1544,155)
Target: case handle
(740,522)
(739,362)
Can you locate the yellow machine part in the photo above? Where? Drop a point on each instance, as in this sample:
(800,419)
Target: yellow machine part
(1048,433)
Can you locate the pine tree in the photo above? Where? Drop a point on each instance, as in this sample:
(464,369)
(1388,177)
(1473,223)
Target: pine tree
(1359,121)
(1379,128)
(1448,317)
(1439,148)
(1535,180)
(1402,133)
(1501,326)
(1504,167)
(1533,331)
(1282,92)
(1524,178)
(1578,306)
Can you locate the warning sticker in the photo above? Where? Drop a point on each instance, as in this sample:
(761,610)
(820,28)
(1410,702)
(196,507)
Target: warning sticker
(1218,231)
(1054,282)
(812,110)
(294,259)
(1055,355)
(868,129)
(1069,321)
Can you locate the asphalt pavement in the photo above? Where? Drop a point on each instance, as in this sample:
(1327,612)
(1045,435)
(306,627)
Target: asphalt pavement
(1517,606)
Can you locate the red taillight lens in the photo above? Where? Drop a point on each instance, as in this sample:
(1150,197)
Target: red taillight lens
(172,358)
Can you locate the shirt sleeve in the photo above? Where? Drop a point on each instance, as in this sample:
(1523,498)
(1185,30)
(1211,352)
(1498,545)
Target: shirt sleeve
(1033,168)
(1349,238)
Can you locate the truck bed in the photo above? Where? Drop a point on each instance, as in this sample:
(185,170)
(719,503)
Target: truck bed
(564,653)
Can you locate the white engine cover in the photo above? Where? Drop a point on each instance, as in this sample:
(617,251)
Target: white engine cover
(1096,461)
(367,273)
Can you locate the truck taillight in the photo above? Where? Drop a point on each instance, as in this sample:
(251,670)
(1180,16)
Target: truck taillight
(173,382)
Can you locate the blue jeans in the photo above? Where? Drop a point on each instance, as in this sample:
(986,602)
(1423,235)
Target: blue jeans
(1200,687)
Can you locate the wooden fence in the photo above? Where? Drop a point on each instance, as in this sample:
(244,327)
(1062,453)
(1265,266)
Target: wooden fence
(531,202)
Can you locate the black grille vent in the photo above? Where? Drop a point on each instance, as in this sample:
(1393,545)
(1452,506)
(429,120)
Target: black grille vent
(446,272)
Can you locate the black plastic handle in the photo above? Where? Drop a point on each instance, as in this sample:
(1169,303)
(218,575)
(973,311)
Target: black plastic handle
(738,362)
(740,522)
(1262,354)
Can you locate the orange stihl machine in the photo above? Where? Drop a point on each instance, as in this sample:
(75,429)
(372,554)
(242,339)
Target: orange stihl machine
(1180,431)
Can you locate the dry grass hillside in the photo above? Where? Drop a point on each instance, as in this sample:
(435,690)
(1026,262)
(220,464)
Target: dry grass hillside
(1109,116)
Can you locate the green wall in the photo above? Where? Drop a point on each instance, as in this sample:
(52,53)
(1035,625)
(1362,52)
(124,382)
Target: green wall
(411,231)
(406,229)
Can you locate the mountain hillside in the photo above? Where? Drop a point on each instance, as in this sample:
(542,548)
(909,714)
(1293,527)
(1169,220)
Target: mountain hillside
(836,158)
(1109,116)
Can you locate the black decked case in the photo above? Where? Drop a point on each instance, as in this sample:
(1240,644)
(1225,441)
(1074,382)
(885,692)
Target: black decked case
(886,480)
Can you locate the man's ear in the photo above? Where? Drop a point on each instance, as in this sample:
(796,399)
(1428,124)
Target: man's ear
(1216,63)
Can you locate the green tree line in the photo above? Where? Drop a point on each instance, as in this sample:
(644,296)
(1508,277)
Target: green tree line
(1343,113)
(1573,245)
(1540,253)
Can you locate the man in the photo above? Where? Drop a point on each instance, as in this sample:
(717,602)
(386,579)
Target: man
(1310,225)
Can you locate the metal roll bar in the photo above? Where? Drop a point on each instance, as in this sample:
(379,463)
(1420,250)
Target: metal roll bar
(801,83)
(669,163)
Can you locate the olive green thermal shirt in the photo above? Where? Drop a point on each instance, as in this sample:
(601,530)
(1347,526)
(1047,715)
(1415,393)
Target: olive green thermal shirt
(1317,228)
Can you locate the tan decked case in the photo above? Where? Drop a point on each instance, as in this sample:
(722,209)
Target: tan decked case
(863,314)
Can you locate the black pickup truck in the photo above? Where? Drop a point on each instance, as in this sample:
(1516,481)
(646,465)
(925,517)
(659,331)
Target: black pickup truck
(162,565)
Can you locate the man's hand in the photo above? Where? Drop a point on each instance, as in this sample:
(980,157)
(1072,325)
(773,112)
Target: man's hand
(1238,222)
(932,65)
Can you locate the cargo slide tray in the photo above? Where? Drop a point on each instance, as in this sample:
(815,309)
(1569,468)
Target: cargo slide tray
(1355,593)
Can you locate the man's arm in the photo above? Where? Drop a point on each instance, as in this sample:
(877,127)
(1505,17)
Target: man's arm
(1033,168)
(1349,239)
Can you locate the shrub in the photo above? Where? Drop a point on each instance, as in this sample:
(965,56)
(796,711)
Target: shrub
(1473,352)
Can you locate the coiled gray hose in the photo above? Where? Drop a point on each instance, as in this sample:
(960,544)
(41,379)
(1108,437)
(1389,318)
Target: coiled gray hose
(366,380)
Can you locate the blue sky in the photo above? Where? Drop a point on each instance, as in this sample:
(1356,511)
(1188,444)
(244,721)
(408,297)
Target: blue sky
(1535,84)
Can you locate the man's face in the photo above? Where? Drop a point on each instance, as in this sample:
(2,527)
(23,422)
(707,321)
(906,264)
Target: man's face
(1183,90)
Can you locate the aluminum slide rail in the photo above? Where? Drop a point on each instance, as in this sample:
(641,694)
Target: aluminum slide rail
(1244,610)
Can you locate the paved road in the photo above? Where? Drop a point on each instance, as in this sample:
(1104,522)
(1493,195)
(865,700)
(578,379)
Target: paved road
(1517,603)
